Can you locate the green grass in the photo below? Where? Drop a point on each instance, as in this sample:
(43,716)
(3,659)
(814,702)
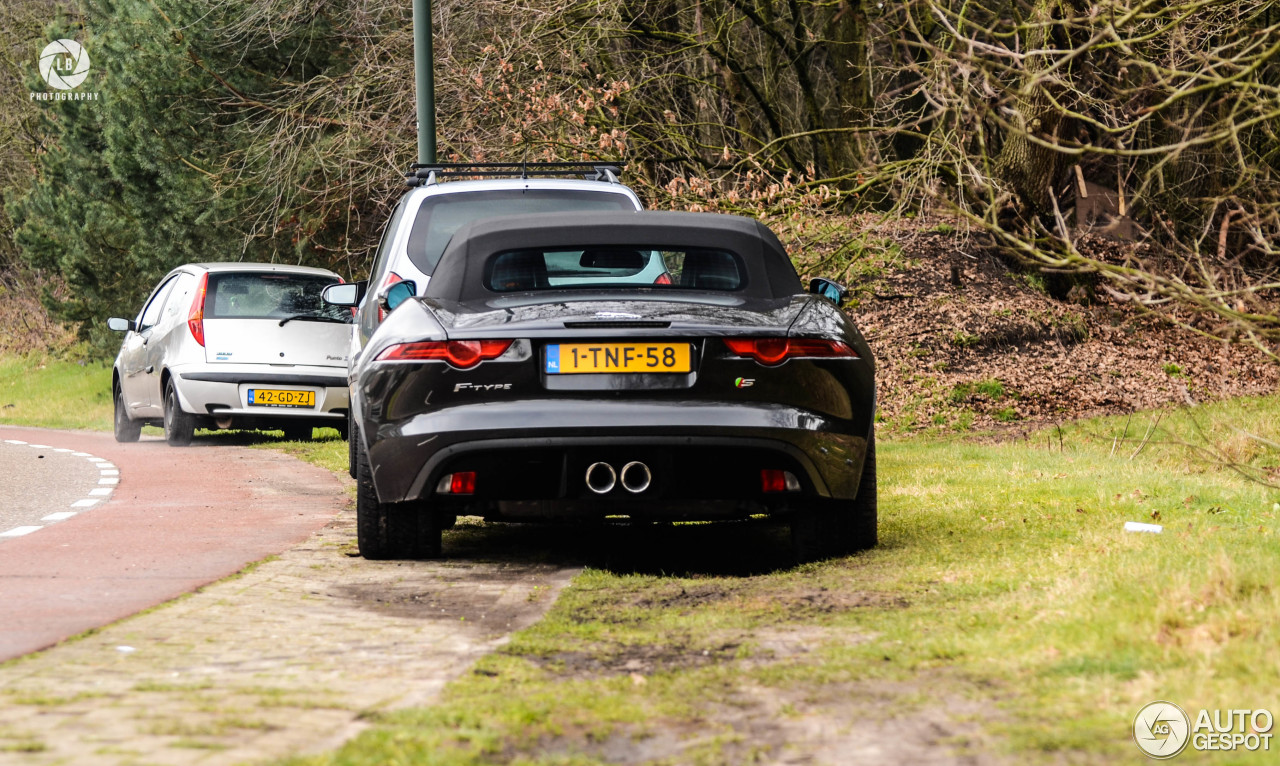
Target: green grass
(1004,581)
(1004,578)
(40,391)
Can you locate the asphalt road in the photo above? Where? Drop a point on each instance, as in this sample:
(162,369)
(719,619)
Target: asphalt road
(178,519)
(42,485)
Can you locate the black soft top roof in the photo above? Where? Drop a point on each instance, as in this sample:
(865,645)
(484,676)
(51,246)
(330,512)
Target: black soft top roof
(460,274)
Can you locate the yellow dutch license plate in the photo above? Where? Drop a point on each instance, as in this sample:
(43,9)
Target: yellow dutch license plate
(564,358)
(274,397)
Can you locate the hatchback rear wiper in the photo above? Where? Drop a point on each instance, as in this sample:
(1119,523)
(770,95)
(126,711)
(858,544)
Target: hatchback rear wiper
(312,318)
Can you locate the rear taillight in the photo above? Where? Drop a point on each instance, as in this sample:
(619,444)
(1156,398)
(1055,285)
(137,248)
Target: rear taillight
(773,481)
(195,317)
(460,483)
(774,351)
(462,354)
(391,279)
(663,279)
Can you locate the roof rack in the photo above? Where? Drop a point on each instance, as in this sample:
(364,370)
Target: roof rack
(429,173)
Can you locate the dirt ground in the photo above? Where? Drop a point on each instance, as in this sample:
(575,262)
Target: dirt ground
(1055,360)
(300,652)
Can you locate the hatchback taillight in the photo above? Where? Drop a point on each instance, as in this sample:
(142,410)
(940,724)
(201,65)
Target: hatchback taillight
(774,351)
(462,354)
(195,317)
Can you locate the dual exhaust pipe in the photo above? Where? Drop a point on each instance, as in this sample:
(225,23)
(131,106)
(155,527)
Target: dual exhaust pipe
(635,477)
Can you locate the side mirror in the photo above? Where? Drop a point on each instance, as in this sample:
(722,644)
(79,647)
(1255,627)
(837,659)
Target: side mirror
(341,295)
(121,325)
(828,289)
(396,294)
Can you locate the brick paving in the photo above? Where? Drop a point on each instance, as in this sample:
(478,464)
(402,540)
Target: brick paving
(284,659)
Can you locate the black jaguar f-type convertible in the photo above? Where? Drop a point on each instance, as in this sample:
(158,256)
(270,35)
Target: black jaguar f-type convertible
(644,365)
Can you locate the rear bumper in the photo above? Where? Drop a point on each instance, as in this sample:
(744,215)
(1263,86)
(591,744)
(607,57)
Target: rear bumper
(539,450)
(223,392)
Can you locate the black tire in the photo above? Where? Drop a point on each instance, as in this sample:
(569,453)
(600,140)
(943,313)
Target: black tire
(298,432)
(390,530)
(127,429)
(179,426)
(827,528)
(351,444)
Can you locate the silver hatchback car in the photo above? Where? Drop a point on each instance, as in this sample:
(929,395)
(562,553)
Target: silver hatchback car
(233,345)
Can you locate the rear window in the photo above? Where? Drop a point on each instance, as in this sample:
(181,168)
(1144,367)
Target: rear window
(615,267)
(270,295)
(441,216)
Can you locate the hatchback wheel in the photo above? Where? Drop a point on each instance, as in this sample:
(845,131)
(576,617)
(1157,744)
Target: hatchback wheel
(179,426)
(127,429)
(391,530)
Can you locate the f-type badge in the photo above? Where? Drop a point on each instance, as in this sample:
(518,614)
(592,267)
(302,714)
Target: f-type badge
(481,387)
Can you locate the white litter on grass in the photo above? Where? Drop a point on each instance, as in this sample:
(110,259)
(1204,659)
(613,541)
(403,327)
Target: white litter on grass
(1137,526)
(125,649)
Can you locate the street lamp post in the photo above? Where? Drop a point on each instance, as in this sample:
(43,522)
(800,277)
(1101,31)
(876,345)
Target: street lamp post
(424,79)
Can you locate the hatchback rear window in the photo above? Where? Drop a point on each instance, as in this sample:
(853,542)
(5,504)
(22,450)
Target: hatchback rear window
(270,295)
(441,216)
(615,267)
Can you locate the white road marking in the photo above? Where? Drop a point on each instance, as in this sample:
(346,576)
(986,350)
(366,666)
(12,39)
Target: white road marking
(109,475)
(19,531)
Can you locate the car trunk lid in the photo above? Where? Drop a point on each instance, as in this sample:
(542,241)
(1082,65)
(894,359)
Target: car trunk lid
(266,341)
(590,318)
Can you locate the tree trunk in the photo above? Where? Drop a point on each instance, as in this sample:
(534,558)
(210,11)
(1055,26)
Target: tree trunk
(1029,168)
